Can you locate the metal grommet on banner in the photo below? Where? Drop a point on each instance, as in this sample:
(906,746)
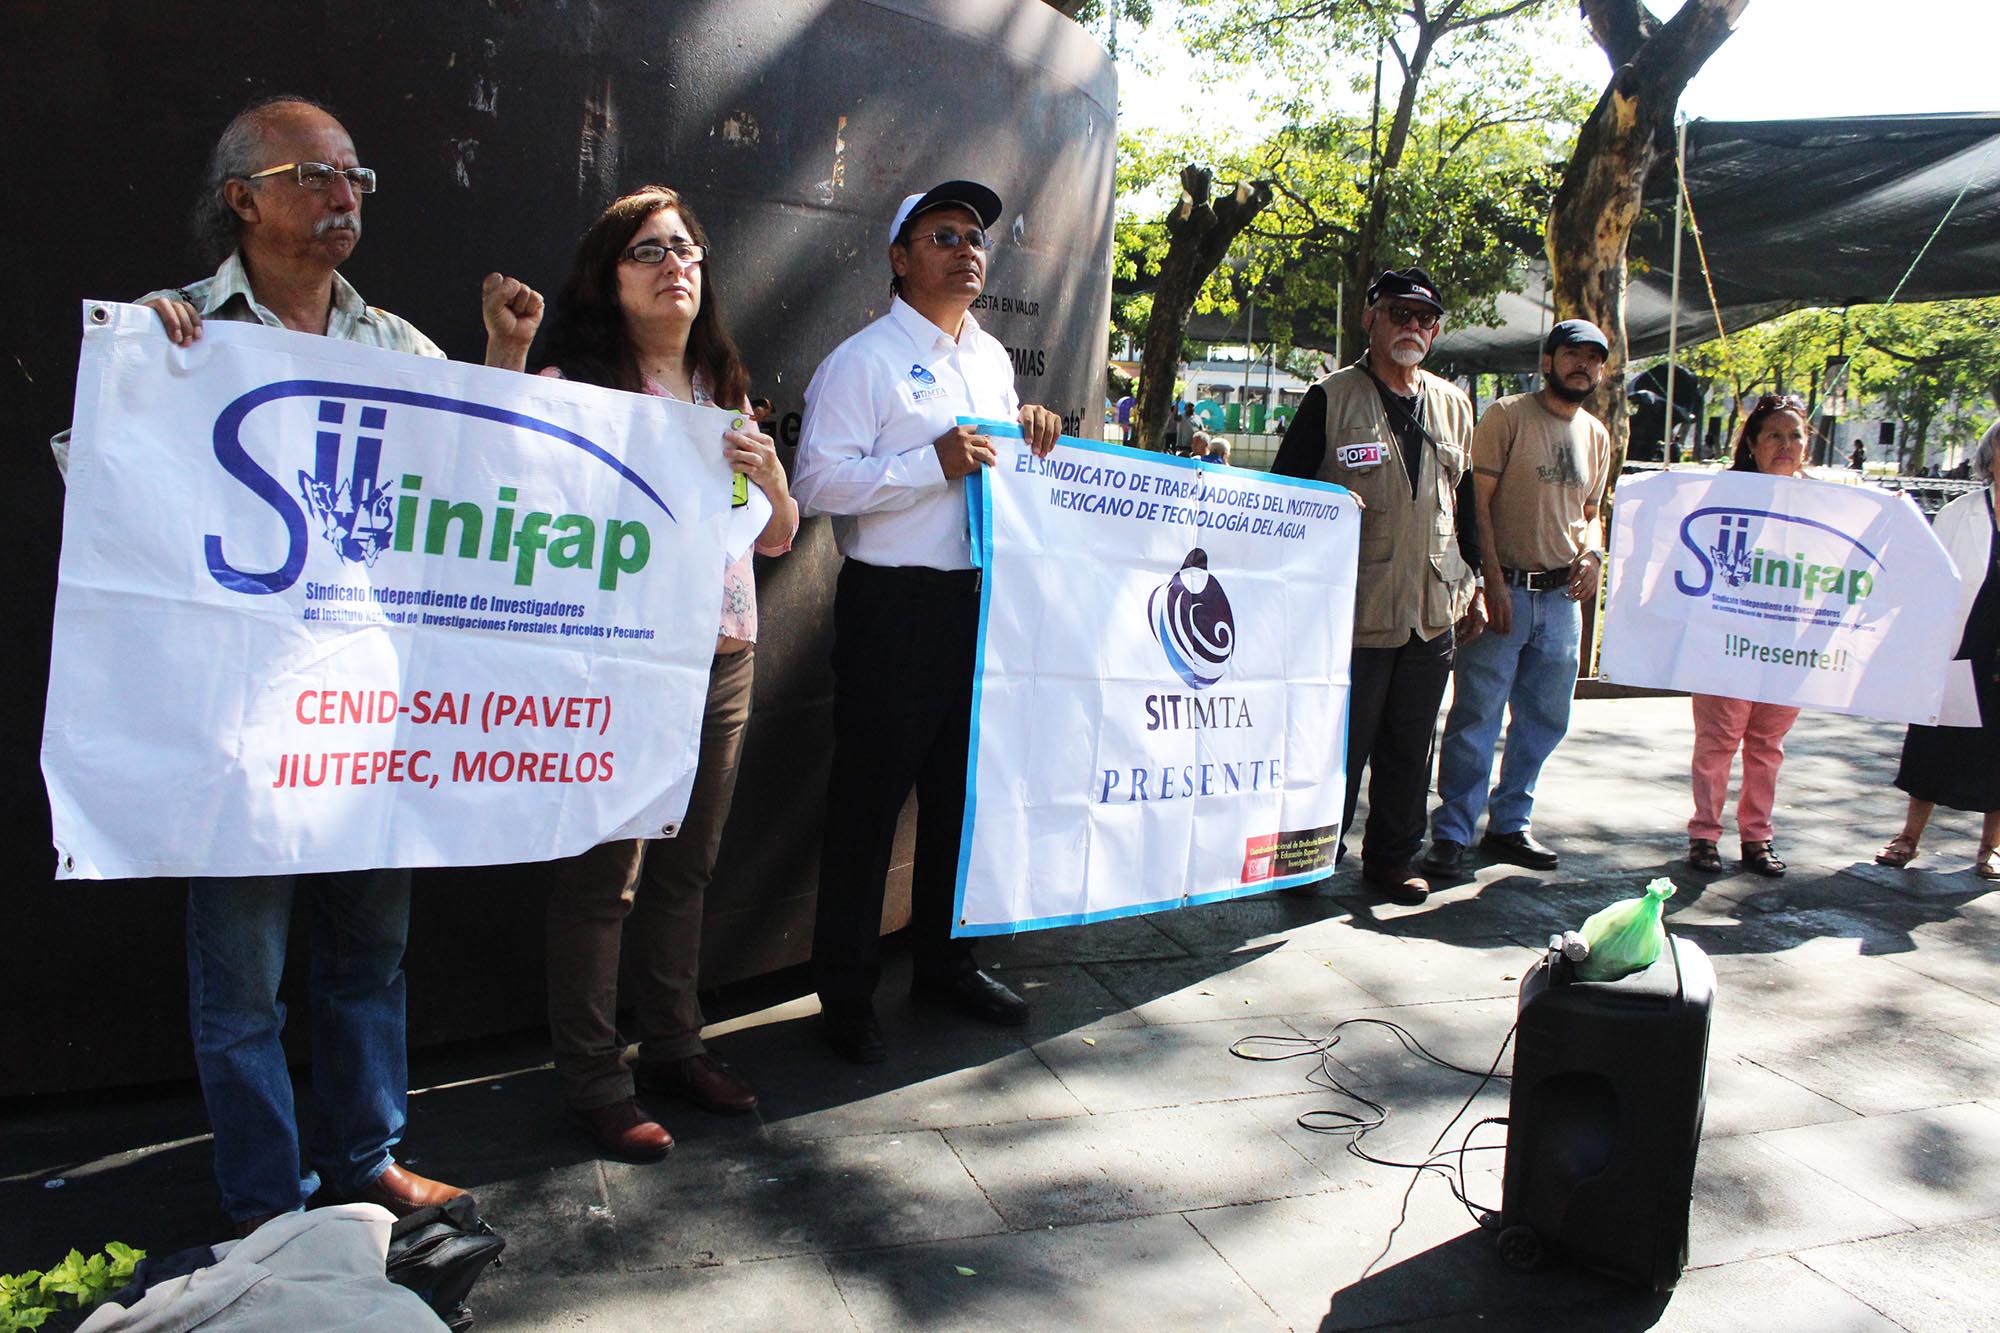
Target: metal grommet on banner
(100,314)
(670,830)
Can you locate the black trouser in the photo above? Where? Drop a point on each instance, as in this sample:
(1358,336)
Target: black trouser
(904,649)
(1392,711)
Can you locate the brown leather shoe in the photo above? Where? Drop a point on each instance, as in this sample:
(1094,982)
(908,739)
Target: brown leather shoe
(623,1130)
(699,1078)
(403,1192)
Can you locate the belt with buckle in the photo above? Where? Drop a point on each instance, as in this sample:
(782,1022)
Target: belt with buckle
(1538,580)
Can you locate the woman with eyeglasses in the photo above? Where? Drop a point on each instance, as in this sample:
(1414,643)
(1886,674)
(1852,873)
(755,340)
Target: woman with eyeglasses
(1772,440)
(639,312)
(1959,766)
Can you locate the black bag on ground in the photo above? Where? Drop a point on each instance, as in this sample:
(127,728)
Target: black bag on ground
(439,1252)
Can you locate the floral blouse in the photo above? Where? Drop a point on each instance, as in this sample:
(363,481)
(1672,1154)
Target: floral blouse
(739,581)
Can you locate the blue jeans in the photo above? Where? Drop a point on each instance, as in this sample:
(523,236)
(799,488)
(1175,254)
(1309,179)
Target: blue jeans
(356,925)
(1530,674)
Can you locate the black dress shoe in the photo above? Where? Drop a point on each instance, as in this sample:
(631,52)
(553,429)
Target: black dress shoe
(1398,883)
(1445,859)
(1519,849)
(975,993)
(852,1030)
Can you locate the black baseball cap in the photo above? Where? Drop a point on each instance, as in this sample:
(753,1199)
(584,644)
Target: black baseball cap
(985,204)
(1409,284)
(1576,333)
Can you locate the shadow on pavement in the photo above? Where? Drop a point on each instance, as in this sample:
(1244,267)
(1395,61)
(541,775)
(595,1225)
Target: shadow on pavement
(1462,1283)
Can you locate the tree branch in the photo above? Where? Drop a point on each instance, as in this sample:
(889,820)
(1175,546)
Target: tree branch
(1496,16)
(1620,28)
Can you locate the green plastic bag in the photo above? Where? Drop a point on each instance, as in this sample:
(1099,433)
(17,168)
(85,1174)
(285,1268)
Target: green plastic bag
(1625,937)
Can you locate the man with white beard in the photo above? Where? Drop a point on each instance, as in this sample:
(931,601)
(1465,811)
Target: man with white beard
(1398,437)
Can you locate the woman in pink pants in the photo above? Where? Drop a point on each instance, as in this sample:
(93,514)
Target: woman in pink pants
(1773,440)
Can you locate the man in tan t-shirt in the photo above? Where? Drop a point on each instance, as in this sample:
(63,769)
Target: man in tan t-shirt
(1540,464)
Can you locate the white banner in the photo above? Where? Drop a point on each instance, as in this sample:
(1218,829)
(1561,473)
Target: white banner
(327,607)
(1781,590)
(1160,715)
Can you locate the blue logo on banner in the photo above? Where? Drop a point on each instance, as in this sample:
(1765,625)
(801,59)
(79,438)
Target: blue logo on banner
(355,513)
(360,518)
(922,376)
(1191,619)
(1731,557)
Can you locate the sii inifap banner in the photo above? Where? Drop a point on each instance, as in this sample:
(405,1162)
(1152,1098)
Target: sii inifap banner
(1781,590)
(326,607)
(1160,707)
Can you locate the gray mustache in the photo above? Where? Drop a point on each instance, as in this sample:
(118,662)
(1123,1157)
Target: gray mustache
(337,222)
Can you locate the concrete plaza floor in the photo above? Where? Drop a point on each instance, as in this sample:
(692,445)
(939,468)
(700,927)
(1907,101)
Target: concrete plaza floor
(1115,1167)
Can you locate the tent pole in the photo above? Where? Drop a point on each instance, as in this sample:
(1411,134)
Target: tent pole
(1339,304)
(1674,298)
(1249,350)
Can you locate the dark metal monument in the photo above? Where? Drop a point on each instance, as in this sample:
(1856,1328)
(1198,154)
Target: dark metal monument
(500,130)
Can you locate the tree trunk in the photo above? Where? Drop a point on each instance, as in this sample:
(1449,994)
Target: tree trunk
(1631,130)
(1199,234)
(1365,261)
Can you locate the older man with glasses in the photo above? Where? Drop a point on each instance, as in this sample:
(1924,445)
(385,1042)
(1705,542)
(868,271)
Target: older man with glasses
(1399,438)
(281,209)
(881,452)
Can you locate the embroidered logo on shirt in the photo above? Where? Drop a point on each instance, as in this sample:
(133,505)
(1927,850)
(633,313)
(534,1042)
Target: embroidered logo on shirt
(921,376)
(1359,455)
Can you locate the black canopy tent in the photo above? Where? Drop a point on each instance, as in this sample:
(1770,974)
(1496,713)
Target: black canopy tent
(1796,213)
(1792,213)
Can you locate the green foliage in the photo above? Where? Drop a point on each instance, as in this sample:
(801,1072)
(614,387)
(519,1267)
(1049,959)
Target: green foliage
(28,1299)
(1929,365)
(1091,12)
(1489,132)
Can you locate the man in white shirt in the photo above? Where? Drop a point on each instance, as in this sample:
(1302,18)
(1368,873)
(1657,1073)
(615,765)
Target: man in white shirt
(881,452)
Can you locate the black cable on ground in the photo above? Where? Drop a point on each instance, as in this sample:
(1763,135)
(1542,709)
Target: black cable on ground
(1333,1120)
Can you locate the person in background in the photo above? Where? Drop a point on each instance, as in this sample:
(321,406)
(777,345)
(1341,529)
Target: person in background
(1399,438)
(1959,766)
(1217,450)
(640,312)
(1541,464)
(1773,441)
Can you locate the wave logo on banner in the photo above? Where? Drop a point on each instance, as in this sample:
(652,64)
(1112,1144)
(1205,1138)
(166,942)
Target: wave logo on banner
(1192,622)
(361,517)
(1719,539)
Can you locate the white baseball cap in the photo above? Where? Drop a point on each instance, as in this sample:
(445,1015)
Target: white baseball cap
(985,204)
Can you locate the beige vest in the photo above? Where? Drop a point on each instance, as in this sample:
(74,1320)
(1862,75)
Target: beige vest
(1411,576)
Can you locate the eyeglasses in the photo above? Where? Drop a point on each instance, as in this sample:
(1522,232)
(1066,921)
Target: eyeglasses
(1417,315)
(685,253)
(319,176)
(975,237)
(1773,402)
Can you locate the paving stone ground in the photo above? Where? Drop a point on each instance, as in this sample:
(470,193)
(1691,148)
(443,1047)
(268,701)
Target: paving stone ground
(1114,1166)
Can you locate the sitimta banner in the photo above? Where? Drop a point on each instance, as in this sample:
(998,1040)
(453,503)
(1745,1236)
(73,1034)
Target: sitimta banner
(1160,710)
(326,607)
(1781,590)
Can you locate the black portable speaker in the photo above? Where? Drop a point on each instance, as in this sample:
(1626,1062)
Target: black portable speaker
(1610,1083)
